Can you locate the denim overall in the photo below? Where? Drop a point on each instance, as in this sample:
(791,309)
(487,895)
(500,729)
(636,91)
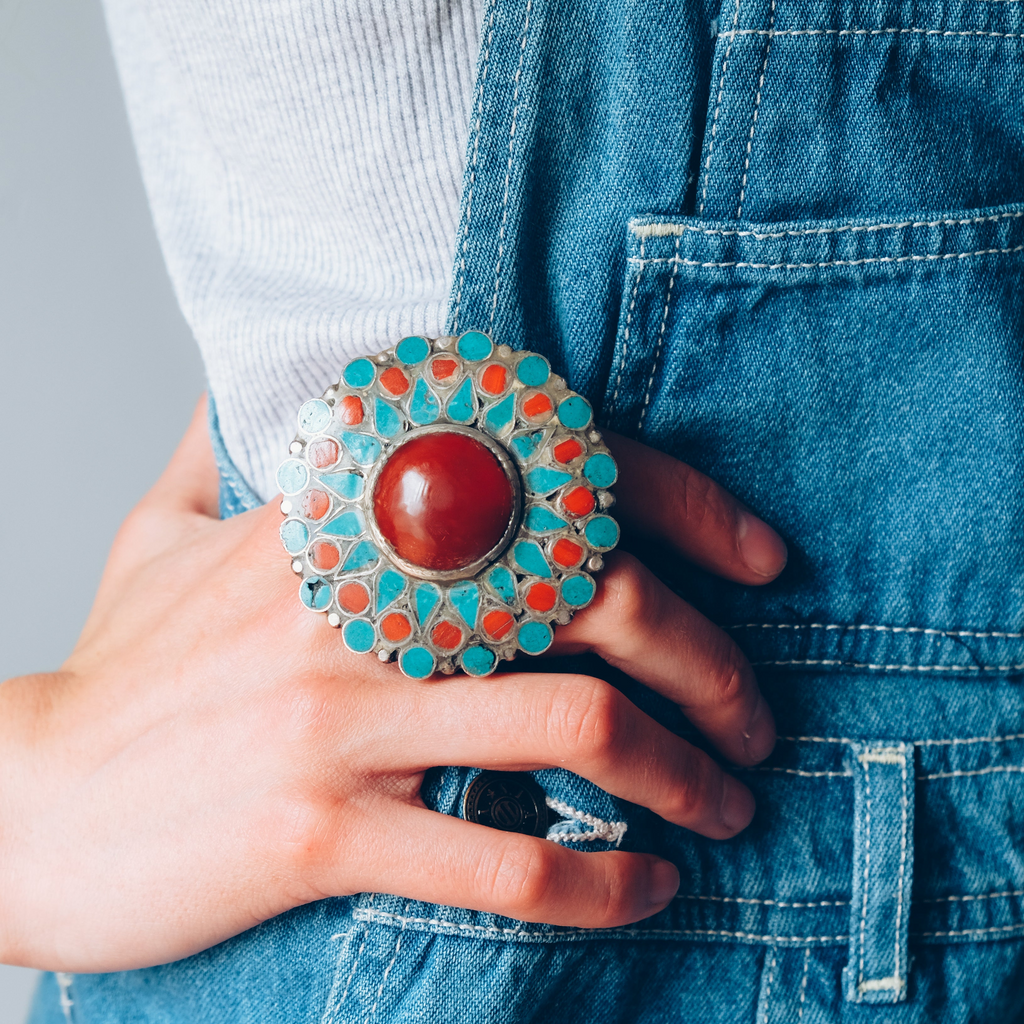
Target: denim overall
(783,241)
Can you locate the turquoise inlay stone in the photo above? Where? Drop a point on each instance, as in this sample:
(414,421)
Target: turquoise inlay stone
(600,470)
(575,413)
(424,407)
(535,637)
(543,480)
(474,346)
(542,520)
(294,536)
(358,636)
(359,373)
(462,407)
(530,558)
(413,350)
(427,597)
(348,485)
(292,476)
(578,591)
(500,414)
(466,599)
(364,448)
(602,532)
(503,583)
(386,418)
(315,593)
(417,663)
(478,661)
(526,444)
(314,416)
(362,555)
(533,371)
(389,588)
(348,524)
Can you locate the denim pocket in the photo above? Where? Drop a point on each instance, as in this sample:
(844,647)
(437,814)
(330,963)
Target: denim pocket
(859,384)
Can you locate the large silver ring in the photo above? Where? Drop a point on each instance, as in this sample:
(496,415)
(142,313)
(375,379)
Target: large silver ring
(446,503)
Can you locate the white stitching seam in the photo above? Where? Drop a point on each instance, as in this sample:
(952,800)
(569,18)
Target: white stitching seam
(67,1004)
(352,973)
(661,341)
(876,629)
(625,333)
(508,170)
(472,166)
(382,916)
(976,771)
(718,107)
(775,33)
(903,862)
(798,771)
(768,989)
(983,896)
(894,668)
(387,970)
(668,230)
(765,903)
(916,743)
(967,931)
(753,121)
(743,264)
(803,984)
(867,871)
(605,831)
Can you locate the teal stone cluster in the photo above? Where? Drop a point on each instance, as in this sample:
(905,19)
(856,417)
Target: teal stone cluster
(432,621)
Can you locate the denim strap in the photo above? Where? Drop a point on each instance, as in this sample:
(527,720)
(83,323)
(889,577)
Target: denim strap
(235,493)
(882,871)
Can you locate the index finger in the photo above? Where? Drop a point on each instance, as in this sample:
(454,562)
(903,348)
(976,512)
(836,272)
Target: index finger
(662,497)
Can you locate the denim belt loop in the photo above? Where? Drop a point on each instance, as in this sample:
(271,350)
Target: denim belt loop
(883,858)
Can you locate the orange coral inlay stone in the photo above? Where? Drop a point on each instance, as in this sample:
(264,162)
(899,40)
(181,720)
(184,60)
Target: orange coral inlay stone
(395,381)
(447,636)
(322,453)
(442,369)
(324,555)
(315,504)
(537,407)
(579,501)
(493,379)
(353,597)
(350,410)
(566,553)
(568,450)
(541,597)
(498,624)
(395,627)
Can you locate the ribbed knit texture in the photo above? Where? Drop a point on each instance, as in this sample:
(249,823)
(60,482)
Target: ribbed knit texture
(304,164)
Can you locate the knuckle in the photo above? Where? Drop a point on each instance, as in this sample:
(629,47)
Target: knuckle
(521,880)
(694,789)
(730,678)
(588,720)
(628,593)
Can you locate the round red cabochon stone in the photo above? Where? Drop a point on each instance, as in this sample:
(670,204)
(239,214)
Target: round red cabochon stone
(442,501)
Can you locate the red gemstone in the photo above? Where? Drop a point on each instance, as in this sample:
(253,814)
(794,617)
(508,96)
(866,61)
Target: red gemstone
(566,553)
(395,627)
(580,502)
(442,369)
(447,636)
(395,381)
(541,597)
(537,407)
(568,450)
(497,624)
(323,453)
(315,504)
(494,378)
(442,501)
(353,597)
(324,556)
(350,410)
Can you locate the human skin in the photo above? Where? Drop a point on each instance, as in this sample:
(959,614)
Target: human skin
(211,755)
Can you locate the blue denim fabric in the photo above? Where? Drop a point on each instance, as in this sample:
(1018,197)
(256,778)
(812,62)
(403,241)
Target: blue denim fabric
(783,241)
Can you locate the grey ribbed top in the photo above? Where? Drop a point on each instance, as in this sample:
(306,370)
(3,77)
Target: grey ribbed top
(304,164)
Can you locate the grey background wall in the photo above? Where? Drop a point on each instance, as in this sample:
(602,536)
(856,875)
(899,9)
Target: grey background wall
(98,371)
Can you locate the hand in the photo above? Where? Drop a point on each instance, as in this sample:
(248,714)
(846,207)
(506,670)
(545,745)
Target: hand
(211,756)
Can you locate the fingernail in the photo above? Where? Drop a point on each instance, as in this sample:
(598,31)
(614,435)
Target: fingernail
(759,737)
(664,883)
(761,548)
(737,805)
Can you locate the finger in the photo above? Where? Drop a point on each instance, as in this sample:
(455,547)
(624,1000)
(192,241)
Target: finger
(524,722)
(639,625)
(660,496)
(436,858)
(191,481)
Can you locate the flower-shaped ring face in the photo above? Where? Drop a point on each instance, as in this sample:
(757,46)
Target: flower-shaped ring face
(446,503)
